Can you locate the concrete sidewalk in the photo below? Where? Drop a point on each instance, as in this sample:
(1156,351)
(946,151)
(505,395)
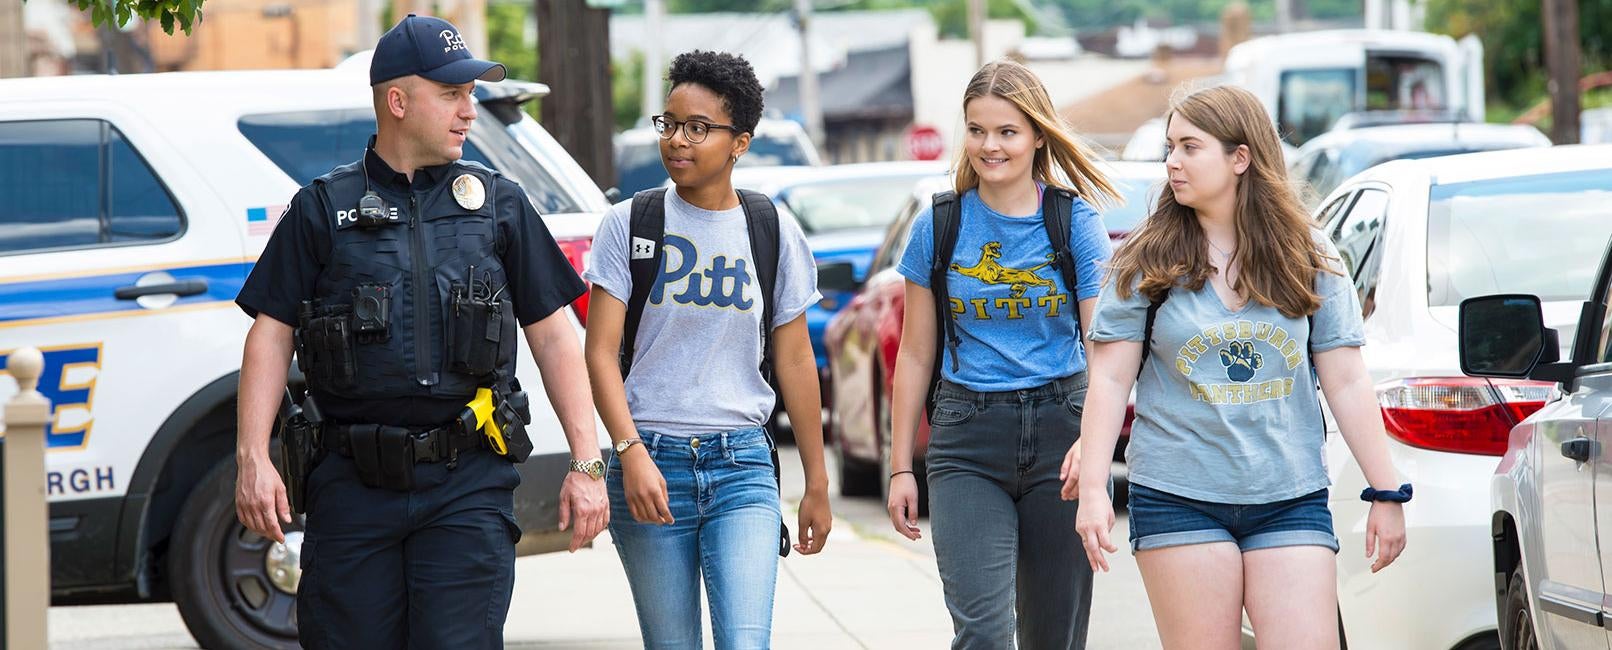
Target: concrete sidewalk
(828,601)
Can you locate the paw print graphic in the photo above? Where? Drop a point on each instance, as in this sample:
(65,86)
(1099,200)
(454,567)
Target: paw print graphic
(1241,361)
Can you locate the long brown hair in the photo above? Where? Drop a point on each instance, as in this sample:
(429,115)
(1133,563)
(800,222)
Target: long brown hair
(1075,170)
(1276,252)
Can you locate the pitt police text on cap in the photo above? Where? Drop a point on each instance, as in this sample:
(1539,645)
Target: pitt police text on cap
(432,48)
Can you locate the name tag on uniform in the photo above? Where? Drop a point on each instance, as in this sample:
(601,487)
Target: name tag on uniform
(643,249)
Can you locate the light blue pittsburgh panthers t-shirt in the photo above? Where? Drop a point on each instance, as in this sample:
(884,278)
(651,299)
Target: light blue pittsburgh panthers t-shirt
(1226,406)
(1017,325)
(696,366)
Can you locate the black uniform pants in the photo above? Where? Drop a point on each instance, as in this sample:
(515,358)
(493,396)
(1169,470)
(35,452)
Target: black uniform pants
(430,568)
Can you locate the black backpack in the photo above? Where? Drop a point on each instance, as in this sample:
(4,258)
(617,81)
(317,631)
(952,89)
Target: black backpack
(1057,207)
(648,228)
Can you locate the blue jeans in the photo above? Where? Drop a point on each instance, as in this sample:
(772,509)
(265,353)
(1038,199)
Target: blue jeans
(724,503)
(1004,539)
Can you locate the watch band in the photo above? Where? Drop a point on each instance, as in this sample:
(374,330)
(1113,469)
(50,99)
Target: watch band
(593,467)
(623,446)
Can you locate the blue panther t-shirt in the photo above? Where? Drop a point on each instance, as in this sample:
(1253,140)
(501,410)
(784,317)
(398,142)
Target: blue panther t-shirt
(1226,407)
(1017,326)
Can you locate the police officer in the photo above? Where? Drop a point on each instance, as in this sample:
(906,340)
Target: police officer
(400,279)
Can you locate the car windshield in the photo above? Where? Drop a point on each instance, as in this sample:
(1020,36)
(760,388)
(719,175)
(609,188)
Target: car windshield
(306,144)
(848,204)
(1510,235)
(1139,195)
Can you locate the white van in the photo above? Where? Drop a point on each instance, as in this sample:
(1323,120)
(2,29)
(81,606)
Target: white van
(132,208)
(1307,80)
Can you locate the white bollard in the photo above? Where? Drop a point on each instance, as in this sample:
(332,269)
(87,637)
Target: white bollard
(27,519)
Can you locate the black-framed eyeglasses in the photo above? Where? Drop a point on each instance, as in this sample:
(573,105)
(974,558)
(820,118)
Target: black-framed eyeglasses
(694,130)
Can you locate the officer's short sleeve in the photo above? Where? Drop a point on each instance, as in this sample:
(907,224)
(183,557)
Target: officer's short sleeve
(288,270)
(541,280)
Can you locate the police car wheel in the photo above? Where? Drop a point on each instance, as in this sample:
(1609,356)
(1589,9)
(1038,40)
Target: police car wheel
(234,588)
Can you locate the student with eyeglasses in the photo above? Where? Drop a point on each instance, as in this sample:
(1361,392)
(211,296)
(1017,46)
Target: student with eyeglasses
(692,484)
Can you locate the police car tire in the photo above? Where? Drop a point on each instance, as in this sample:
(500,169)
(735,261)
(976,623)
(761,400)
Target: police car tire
(196,568)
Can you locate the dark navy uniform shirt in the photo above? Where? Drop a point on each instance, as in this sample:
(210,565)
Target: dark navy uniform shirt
(541,280)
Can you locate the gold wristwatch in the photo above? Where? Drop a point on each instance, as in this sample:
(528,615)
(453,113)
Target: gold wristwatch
(593,467)
(623,446)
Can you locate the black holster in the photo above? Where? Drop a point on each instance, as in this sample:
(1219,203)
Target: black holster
(512,412)
(299,441)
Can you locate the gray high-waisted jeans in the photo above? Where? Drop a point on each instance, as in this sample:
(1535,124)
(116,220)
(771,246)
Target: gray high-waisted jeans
(1004,540)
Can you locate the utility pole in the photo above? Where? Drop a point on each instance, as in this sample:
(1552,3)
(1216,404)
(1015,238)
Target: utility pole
(1284,16)
(573,44)
(1562,64)
(976,30)
(13,41)
(654,88)
(811,109)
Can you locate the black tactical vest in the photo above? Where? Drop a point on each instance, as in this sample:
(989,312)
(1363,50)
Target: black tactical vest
(422,296)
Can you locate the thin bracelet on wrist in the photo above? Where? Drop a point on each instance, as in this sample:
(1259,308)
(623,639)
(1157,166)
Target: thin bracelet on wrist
(900,472)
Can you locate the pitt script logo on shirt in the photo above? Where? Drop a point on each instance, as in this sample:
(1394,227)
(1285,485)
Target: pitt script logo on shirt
(719,285)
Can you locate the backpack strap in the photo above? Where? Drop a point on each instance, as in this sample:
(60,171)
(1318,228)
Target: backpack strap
(946,223)
(1147,330)
(1057,215)
(761,220)
(645,243)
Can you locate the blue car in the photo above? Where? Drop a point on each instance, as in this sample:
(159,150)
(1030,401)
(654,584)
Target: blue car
(844,210)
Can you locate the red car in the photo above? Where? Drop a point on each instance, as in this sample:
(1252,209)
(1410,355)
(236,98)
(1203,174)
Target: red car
(862,340)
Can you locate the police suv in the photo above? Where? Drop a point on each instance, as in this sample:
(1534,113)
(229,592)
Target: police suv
(131,210)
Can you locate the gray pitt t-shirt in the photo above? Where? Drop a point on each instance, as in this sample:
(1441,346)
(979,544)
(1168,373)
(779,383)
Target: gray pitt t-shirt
(696,366)
(1226,406)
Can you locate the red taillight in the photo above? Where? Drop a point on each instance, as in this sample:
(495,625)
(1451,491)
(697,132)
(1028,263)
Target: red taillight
(1467,415)
(577,252)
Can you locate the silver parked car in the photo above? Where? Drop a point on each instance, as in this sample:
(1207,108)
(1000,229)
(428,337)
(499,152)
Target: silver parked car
(1552,492)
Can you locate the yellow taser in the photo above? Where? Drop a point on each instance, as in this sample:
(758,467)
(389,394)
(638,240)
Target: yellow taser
(482,406)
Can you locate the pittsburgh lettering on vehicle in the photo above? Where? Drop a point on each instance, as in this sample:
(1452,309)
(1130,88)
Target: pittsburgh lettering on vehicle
(80,481)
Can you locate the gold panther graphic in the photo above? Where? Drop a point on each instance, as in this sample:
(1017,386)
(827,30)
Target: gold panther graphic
(1019,280)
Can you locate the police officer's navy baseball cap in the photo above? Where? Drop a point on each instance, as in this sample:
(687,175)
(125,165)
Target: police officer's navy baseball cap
(432,48)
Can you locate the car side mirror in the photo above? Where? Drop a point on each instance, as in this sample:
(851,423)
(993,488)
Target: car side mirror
(1504,336)
(836,277)
(613,195)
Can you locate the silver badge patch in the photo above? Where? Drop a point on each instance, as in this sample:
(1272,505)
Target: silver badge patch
(468,191)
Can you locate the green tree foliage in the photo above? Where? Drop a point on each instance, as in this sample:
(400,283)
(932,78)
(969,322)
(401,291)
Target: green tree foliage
(951,16)
(1513,43)
(627,89)
(506,44)
(169,13)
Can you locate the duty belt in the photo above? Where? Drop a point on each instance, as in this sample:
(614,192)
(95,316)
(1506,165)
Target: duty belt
(434,445)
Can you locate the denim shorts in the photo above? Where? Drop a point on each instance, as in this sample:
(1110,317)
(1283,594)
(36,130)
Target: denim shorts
(1161,520)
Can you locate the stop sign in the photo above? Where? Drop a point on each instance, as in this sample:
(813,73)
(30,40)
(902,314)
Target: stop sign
(924,142)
